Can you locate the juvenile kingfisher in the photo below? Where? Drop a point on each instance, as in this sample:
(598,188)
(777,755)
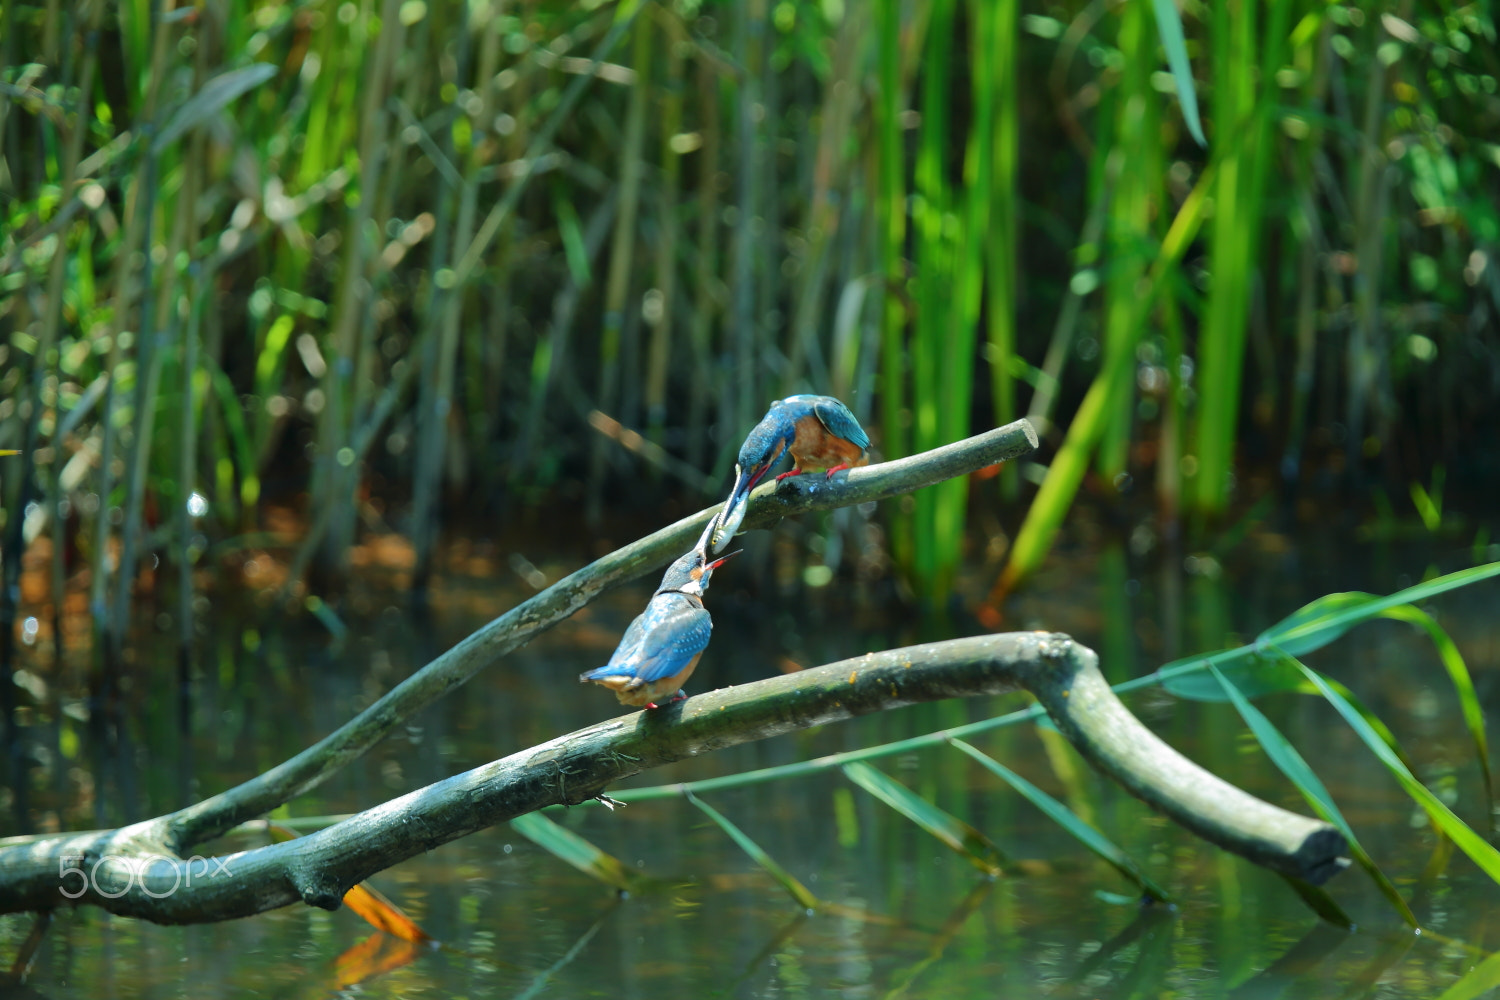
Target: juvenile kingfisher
(819,431)
(662,646)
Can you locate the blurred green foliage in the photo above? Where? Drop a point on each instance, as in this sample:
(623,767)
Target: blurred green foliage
(407,248)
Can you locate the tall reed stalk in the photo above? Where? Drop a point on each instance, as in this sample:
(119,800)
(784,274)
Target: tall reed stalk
(621,257)
(198,285)
(1245,59)
(1135,136)
(51,343)
(335,478)
(890,216)
(742,403)
(1369,393)
(661,302)
(706,384)
(440,359)
(1001,68)
(831,164)
(953,263)
(150,340)
(106,618)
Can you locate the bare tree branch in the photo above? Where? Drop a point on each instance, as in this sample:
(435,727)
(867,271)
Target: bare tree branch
(320,868)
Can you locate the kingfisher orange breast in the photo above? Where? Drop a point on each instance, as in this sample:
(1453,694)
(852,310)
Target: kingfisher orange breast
(815,450)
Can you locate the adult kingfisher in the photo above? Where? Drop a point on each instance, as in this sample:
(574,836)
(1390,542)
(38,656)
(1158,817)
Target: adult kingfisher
(661,647)
(819,431)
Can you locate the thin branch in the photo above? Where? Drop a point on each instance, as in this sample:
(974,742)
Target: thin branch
(318,869)
(632,441)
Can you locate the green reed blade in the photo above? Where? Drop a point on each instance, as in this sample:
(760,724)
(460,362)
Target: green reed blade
(798,891)
(135,33)
(1244,103)
(890,223)
(936,321)
(576,851)
(1481,852)
(890,207)
(1321,621)
(1429,507)
(268,364)
(232,410)
(704,379)
(570,231)
(1169,27)
(613,329)
(1257,672)
(1001,281)
(1477,982)
(1252,668)
(1253,674)
(1070,821)
(210,99)
(1064,476)
(1135,136)
(1458,672)
(1291,763)
(660,351)
(1318,623)
(1371,719)
(975,847)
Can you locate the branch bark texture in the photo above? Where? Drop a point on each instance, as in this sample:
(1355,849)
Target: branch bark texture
(320,868)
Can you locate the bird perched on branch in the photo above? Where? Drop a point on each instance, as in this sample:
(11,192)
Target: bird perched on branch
(819,431)
(661,647)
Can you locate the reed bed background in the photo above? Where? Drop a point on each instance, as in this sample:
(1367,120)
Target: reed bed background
(422,254)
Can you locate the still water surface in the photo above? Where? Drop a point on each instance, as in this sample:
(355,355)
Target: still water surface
(915,920)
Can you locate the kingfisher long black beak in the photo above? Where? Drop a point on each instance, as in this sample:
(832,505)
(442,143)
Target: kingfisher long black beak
(736,506)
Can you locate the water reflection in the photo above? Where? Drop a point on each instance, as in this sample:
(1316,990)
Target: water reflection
(916,920)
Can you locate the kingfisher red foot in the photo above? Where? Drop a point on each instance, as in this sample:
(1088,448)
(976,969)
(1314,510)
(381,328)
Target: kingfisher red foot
(679,696)
(821,434)
(662,646)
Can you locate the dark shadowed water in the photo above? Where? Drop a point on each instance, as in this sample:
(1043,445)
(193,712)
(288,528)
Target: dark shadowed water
(915,919)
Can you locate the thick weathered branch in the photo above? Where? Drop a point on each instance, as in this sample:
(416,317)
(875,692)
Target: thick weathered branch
(521,624)
(1091,716)
(320,868)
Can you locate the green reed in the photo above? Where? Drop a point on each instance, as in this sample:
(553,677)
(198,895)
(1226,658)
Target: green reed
(998,76)
(662,305)
(402,212)
(617,284)
(936,335)
(1135,136)
(1245,58)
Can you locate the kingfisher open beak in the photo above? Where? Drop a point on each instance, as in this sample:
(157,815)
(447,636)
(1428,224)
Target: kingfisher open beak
(720,561)
(700,584)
